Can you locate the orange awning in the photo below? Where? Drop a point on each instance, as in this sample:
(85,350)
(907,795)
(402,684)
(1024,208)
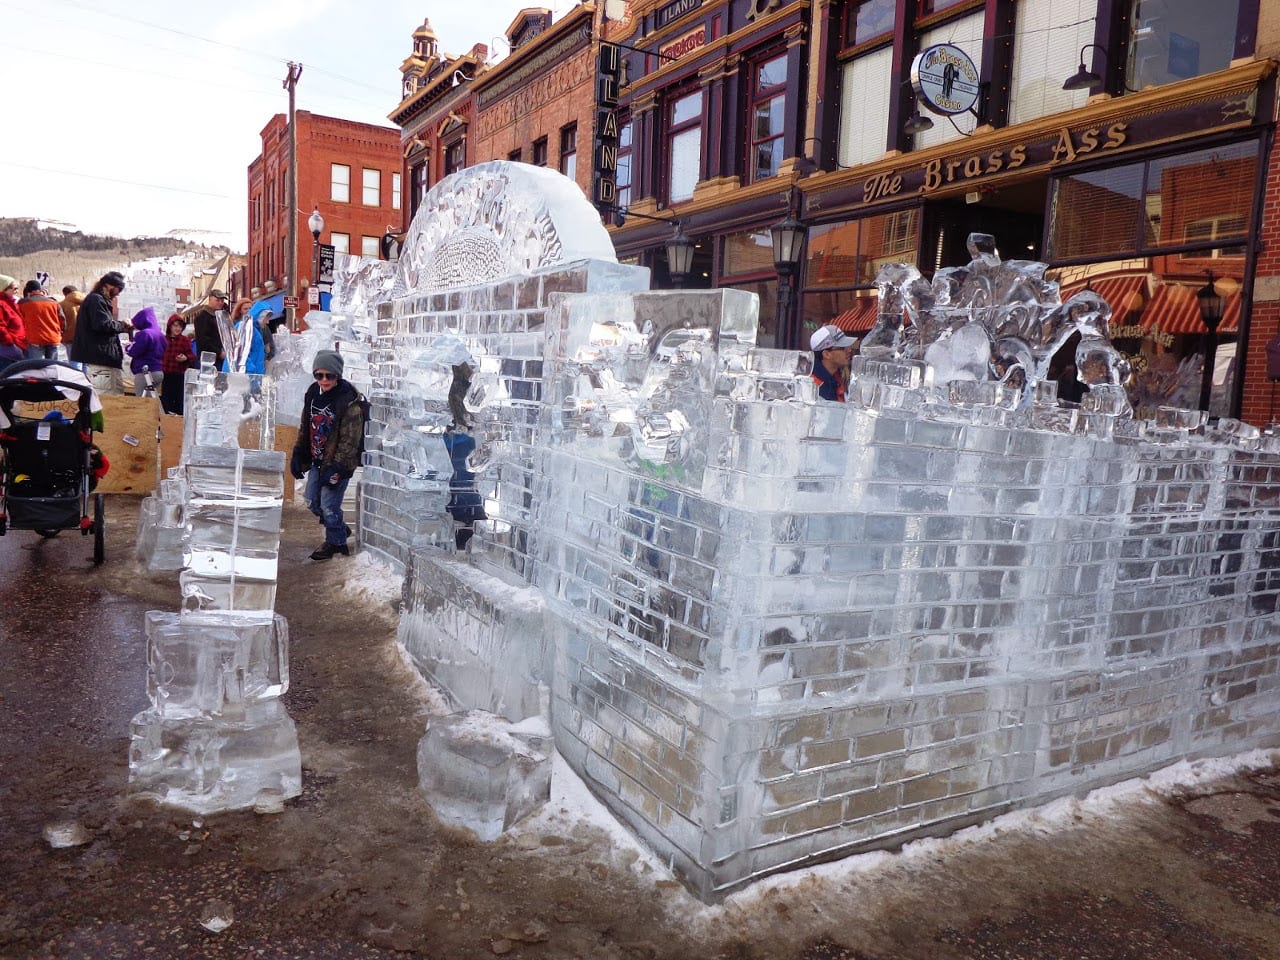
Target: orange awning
(1174,309)
(1123,293)
(861,317)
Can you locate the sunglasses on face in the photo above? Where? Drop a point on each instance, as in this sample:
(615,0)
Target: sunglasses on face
(324,375)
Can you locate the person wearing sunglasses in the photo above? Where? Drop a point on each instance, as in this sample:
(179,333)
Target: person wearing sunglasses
(327,451)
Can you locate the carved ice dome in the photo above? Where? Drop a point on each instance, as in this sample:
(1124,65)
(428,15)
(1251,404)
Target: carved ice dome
(498,219)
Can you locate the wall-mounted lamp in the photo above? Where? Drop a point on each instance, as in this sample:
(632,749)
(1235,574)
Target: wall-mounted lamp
(1086,79)
(917,122)
(679,256)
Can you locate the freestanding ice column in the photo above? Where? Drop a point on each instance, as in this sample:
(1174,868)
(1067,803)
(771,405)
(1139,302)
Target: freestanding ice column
(216,736)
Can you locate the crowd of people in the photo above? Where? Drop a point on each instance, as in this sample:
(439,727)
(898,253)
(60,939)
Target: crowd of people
(87,329)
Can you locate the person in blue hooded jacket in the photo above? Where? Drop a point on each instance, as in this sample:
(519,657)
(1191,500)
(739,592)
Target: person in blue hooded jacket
(146,351)
(256,361)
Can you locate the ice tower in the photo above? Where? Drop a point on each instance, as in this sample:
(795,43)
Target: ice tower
(216,736)
(768,629)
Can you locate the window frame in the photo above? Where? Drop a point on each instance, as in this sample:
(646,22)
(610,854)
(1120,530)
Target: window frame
(342,245)
(365,186)
(397,190)
(539,154)
(569,150)
(626,161)
(370,246)
(758,97)
(850,40)
(455,156)
(675,130)
(335,183)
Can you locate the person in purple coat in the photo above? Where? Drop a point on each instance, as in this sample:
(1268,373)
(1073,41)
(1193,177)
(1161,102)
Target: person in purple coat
(146,350)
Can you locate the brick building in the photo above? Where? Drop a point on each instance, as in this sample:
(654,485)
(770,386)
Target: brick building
(349,171)
(536,105)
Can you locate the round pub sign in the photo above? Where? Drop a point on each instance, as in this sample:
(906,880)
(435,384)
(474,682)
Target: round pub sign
(945,78)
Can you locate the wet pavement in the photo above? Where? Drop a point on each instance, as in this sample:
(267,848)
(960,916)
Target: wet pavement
(357,866)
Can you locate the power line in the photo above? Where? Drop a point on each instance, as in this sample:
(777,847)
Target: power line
(130,183)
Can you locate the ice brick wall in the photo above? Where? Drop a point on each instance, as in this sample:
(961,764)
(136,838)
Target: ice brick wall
(862,623)
(502,325)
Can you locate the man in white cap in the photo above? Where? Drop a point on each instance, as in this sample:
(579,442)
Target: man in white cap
(832,351)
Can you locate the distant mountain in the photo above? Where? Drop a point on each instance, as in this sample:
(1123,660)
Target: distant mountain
(19,237)
(71,256)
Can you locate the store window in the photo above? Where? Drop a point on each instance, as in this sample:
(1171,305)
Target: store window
(1195,202)
(540,152)
(569,151)
(1046,50)
(369,246)
(865,86)
(371,187)
(768,117)
(341,242)
(747,264)
(868,21)
(340,182)
(684,145)
(1173,40)
(395,191)
(842,261)
(455,156)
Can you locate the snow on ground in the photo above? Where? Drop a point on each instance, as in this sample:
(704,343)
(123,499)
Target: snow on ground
(573,806)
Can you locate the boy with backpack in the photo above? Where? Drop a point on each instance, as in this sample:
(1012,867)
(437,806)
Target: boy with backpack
(328,449)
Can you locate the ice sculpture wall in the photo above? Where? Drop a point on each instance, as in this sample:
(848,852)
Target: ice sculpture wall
(775,629)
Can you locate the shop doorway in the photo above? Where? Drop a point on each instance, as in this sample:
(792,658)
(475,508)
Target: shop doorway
(1014,215)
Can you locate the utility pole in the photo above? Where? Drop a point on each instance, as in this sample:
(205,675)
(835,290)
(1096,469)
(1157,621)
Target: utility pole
(290,313)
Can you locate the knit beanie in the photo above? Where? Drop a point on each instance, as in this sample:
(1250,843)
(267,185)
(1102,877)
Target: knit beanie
(6,282)
(329,360)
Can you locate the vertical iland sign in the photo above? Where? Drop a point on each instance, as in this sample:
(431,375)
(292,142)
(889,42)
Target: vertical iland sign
(605,175)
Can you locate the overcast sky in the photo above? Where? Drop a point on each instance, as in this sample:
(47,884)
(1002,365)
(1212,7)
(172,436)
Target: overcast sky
(142,116)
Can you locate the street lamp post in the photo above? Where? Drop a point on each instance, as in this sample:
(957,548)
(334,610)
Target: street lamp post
(679,256)
(788,241)
(315,223)
(1211,313)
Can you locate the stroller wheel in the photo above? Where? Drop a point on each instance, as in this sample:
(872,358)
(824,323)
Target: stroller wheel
(48,534)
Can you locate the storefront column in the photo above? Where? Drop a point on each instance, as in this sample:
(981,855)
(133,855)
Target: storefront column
(1264,319)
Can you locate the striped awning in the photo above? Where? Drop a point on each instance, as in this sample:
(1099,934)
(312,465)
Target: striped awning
(1124,293)
(1174,309)
(859,318)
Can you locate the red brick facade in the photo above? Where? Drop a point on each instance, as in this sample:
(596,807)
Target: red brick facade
(322,143)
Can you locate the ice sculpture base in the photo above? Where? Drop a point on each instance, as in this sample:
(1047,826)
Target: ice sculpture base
(211,764)
(484,774)
(477,637)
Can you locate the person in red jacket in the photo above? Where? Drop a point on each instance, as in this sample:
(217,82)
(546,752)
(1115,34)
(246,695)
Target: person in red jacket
(42,320)
(13,334)
(179,356)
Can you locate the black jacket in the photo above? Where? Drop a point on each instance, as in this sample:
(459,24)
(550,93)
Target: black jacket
(97,338)
(342,447)
(208,339)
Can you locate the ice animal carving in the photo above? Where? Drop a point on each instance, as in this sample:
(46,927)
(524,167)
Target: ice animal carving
(991,319)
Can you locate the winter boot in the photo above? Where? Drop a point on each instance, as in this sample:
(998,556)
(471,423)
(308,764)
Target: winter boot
(328,550)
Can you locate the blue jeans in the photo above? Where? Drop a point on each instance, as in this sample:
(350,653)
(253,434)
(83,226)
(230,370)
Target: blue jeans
(49,352)
(325,501)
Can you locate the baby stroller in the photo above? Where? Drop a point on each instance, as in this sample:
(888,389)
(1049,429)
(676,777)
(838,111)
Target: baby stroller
(50,463)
